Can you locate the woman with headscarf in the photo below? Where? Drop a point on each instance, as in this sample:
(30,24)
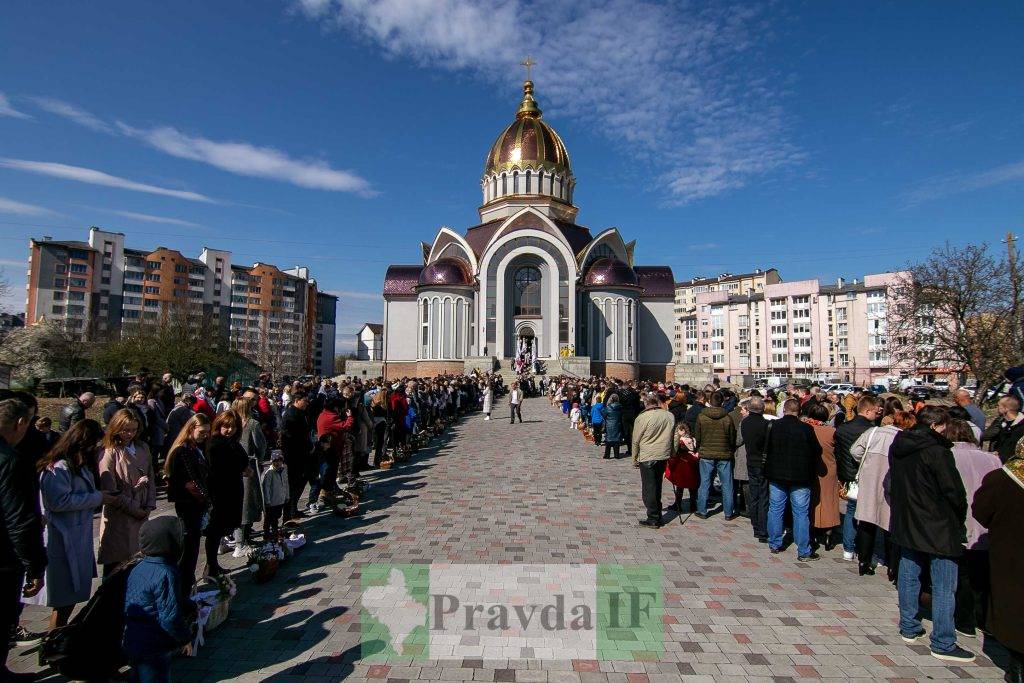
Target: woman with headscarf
(126,472)
(825,491)
(871,450)
(999,507)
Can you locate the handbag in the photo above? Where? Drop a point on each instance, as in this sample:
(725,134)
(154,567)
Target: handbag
(850,490)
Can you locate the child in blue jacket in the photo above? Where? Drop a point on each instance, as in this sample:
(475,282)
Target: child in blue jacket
(156,625)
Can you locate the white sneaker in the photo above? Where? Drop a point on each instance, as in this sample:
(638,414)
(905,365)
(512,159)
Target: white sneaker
(487,417)
(313,508)
(240,551)
(848,556)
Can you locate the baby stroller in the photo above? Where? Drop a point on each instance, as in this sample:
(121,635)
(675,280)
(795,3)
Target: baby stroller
(97,629)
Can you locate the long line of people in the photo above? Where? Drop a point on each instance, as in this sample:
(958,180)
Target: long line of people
(910,489)
(228,458)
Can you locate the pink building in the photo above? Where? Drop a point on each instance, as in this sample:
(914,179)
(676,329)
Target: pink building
(800,329)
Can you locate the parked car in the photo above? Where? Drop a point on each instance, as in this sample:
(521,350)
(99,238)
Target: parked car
(919,394)
(878,389)
(941,387)
(840,389)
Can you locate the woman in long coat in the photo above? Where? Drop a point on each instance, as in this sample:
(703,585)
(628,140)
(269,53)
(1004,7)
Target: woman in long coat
(228,466)
(825,492)
(612,426)
(69,496)
(999,506)
(488,400)
(255,446)
(126,472)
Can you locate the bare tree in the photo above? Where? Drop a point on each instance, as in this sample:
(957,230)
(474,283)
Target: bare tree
(46,349)
(959,309)
(276,344)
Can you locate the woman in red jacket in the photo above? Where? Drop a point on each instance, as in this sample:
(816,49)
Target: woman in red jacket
(336,427)
(399,409)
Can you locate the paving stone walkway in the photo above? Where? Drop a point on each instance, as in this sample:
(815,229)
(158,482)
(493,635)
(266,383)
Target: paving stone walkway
(536,493)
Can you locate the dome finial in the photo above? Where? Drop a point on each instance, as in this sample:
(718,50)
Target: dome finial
(528,107)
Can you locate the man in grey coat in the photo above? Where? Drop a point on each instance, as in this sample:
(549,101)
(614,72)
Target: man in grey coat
(653,443)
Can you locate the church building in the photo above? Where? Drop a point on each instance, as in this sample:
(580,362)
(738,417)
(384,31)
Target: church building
(529,281)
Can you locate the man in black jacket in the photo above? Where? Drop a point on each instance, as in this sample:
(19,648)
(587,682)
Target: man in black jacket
(22,554)
(296,445)
(929,509)
(868,410)
(629,398)
(75,411)
(791,455)
(1007,429)
(753,429)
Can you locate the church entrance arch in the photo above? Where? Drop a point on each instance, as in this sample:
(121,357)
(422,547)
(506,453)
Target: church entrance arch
(527,341)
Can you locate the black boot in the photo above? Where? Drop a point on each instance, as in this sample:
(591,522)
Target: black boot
(865,568)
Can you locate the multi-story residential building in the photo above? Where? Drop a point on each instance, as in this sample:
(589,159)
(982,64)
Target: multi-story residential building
(686,299)
(323,349)
(97,288)
(370,342)
(800,328)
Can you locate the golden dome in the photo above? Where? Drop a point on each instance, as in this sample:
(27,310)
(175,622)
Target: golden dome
(528,142)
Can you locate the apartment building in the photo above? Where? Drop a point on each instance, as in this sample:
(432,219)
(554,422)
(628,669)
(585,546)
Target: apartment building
(96,288)
(800,329)
(686,295)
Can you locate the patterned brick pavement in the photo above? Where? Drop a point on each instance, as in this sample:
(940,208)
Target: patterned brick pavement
(536,493)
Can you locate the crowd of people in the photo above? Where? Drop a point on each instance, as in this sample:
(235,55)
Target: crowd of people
(230,458)
(933,493)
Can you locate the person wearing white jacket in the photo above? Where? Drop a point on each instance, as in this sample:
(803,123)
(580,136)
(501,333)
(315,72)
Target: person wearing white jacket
(871,450)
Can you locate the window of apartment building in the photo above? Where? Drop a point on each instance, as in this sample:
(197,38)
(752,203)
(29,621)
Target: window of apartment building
(844,359)
(58,296)
(743,334)
(802,342)
(801,328)
(57,310)
(152,264)
(718,358)
(842,329)
(79,254)
(60,282)
(744,348)
(153,277)
(60,268)
(132,275)
(133,288)
(179,268)
(79,268)
(152,290)
(152,303)
(778,314)
(134,262)
(149,315)
(717,346)
(878,356)
(743,320)
(779,329)
(703,347)
(77,282)
(104,280)
(780,344)
(133,300)
(76,296)
(876,308)
(841,314)
(802,357)
(780,358)
(255,290)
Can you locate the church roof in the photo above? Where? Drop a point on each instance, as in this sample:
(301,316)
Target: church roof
(657,281)
(401,280)
(478,236)
(528,142)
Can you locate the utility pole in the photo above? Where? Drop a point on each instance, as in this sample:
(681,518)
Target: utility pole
(1015,285)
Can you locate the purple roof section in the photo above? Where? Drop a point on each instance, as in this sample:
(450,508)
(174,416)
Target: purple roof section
(402,280)
(609,272)
(446,272)
(657,281)
(479,235)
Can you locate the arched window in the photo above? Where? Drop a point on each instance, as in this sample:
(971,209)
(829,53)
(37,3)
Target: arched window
(504,184)
(515,182)
(528,184)
(425,339)
(526,291)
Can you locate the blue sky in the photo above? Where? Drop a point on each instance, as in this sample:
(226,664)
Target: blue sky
(822,138)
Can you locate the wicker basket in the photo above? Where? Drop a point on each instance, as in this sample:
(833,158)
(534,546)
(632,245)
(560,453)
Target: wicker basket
(386,464)
(218,614)
(267,570)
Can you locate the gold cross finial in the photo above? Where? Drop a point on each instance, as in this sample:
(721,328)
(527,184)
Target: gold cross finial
(529,64)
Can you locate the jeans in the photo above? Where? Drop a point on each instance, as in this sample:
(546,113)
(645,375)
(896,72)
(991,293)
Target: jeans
(850,527)
(757,501)
(154,669)
(652,474)
(799,498)
(516,410)
(944,575)
(708,468)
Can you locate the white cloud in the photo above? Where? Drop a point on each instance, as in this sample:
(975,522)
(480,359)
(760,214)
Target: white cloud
(72,112)
(149,218)
(94,177)
(943,186)
(6,109)
(22,209)
(681,87)
(243,158)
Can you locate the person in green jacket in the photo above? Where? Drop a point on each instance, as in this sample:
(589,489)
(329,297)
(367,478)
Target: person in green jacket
(716,443)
